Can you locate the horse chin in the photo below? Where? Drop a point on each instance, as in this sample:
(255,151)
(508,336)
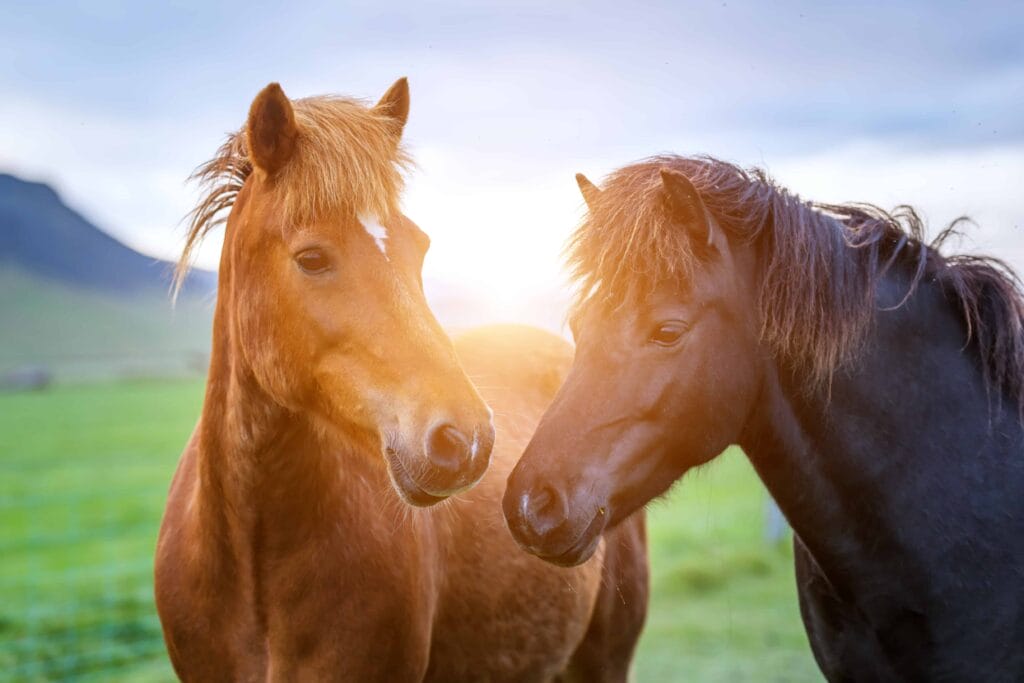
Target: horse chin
(578,554)
(580,550)
(419,497)
(406,486)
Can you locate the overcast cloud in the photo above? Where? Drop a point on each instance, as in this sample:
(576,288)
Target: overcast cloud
(116,102)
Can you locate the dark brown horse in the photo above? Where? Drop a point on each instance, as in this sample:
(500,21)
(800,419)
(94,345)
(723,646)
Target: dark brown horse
(289,550)
(875,384)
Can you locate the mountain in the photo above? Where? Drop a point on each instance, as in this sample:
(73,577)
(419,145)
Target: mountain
(40,234)
(76,304)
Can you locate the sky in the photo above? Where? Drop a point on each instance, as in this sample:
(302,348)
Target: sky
(114,103)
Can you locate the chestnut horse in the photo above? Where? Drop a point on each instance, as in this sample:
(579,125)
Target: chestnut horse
(289,550)
(875,384)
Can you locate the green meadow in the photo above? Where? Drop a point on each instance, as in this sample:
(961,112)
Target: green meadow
(83,477)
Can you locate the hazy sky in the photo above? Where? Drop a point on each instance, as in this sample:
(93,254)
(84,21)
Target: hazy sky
(919,102)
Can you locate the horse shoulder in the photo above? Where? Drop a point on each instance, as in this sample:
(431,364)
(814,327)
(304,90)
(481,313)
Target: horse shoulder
(521,359)
(207,626)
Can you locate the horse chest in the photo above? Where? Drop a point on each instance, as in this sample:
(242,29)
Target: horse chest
(890,641)
(293,603)
(845,644)
(360,585)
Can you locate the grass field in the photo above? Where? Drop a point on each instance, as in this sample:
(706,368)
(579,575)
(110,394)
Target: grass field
(83,477)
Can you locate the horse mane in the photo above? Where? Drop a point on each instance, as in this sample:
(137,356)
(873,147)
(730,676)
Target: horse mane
(821,263)
(347,155)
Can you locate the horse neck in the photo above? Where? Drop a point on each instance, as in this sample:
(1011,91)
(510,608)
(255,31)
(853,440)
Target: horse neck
(863,468)
(259,461)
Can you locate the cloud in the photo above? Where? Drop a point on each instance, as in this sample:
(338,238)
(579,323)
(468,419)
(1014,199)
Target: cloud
(983,183)
(117,102)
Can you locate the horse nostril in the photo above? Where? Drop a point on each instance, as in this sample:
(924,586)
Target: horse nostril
(544,510)
(448,448)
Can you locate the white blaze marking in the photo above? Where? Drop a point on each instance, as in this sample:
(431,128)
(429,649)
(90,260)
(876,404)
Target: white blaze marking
(377,231)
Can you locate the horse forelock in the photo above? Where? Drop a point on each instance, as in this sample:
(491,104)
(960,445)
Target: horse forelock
(347,155)
(820,263)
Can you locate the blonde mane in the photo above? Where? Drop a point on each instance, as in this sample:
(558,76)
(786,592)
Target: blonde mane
(347,155)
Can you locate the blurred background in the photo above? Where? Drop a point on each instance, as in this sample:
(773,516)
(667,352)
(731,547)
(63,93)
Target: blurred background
(108,106)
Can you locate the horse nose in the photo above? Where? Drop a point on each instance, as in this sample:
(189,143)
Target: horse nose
(543,510)
(448,449)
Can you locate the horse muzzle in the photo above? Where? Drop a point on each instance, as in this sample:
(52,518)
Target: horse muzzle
(449,462)
(543,523)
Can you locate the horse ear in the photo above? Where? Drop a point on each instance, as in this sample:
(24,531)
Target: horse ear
(684,201)
(588,189)
(395,104)
(271,130)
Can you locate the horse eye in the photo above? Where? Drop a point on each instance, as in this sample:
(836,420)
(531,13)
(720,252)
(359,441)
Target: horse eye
(313,261)
(667,334)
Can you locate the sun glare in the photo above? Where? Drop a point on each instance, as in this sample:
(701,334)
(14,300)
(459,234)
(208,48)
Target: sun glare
(496,248)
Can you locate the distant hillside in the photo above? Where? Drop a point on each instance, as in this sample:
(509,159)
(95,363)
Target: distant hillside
(78,333)
(76,304)
(42,235)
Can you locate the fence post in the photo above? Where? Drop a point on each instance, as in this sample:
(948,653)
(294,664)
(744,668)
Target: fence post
(776,528)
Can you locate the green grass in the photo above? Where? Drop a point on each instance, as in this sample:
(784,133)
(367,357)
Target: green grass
(724,605)
(83,478)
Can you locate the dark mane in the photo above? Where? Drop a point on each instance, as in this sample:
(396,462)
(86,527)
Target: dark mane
(821,263)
